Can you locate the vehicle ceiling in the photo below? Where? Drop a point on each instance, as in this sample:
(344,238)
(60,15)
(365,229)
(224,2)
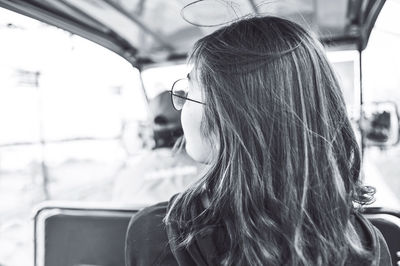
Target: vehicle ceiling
(160,31)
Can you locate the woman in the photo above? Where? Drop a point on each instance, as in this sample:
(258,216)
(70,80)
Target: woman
(266,114)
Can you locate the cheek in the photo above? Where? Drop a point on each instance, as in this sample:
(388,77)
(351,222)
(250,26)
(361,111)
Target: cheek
(196,146)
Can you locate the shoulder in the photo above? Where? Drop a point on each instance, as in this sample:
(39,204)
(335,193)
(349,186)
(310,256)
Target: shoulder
(147,224)
(146,237)
(373,239)
(384,253)
(153,214)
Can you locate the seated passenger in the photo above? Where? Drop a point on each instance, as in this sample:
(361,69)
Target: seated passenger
(162,172)
(264,110)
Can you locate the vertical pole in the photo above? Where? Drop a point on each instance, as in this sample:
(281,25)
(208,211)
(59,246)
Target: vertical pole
(361,104)
(43,165)
(142,85)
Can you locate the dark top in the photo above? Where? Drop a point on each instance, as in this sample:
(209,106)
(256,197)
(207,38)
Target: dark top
(147,242)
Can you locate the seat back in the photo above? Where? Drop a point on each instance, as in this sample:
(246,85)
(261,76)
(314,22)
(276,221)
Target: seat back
(78,235)
(81,236)
(388,222)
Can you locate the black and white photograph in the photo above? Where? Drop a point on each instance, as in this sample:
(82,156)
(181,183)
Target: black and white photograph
(199,132)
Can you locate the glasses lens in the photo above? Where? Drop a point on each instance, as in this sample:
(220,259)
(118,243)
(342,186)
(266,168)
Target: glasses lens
(179,93)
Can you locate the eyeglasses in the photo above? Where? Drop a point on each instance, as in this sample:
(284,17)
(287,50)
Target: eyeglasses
(179,93)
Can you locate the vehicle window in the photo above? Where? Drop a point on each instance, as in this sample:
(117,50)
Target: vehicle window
(160,78)
(347,68)
(70,111)
(381,83)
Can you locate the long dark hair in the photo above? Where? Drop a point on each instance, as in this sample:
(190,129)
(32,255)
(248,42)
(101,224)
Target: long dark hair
(285,180)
